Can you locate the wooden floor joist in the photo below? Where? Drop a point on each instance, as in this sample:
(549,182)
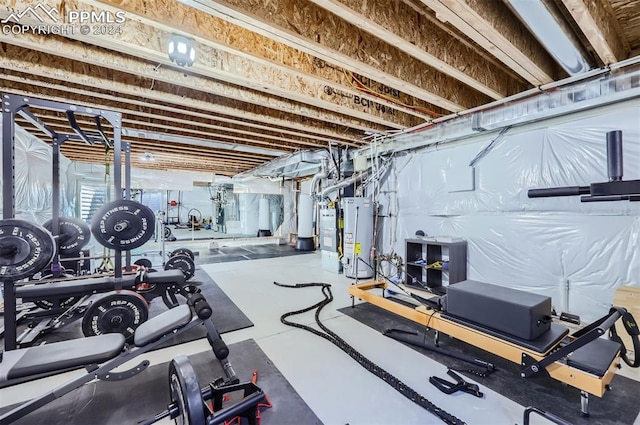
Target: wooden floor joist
(255,105)
(306,26)
(145,42)
(410,32)
(491,25)
(597,25)
(206,29)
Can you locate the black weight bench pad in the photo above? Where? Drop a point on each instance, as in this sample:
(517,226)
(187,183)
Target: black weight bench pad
(166,276)
(92,285)
(162,324)
(595,357)
(60,355)
(542,344)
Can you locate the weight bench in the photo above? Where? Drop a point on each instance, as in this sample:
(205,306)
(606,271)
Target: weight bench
(102,353)
(72,293)
(582,360)
(68,288)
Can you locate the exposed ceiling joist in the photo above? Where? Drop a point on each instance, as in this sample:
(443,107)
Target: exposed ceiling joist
(255,105)
(211,31)
(491,25)
(306,26)
(596,24)
(404,28)
(67,71)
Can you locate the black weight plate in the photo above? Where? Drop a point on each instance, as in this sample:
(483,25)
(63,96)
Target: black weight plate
(183,263)
(49,303)
(171,293)
(167,232)
(25,249)
(74,234)
(123,224)
(120,312)
(185,392)
(183,251)
(144,262)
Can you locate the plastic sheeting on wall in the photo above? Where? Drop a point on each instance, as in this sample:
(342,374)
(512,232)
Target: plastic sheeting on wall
(33,179)
(578,253)
(140,178)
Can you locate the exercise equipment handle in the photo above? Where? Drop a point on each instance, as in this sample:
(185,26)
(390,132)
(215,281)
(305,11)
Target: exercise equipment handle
(248,402)
(559,191)
(553,418)
(201,306)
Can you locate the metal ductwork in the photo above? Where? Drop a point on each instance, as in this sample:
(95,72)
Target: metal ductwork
(323,174)
(344,183)
(298,164)
(546,23)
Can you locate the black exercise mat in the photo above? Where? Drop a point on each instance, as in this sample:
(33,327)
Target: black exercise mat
(226,316)
(618,407)
(249,252)
(144,395)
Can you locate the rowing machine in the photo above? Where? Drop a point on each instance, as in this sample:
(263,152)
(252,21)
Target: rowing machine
(101,354)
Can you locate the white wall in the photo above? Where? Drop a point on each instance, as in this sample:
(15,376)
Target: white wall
(540,245)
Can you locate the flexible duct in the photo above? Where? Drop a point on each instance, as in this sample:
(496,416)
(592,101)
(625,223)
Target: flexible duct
(344,183)
(323,174)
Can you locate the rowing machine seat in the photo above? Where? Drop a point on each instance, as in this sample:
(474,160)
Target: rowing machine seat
(162,324)
(60,355)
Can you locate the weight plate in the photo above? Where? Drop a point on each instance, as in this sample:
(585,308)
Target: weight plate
(25,249)
(183,263)
(49,303)
(167,232)
(183,251)
(74,234)
(171,293)
(123,224)
(184,391)
(144,262)
(120,312)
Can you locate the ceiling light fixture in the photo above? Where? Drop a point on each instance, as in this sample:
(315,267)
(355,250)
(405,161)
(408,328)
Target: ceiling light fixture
(181,50)
(147,157)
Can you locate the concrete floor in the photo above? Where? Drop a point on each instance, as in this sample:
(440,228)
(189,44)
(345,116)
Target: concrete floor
(336,388)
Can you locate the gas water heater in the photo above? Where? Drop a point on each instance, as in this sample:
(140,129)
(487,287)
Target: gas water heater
(358,237)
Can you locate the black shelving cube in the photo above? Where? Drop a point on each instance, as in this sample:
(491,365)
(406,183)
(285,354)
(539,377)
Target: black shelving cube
(420,253)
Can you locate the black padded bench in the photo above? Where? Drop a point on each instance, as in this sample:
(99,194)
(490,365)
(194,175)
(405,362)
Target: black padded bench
(542,344)
(93,285)
(91,350)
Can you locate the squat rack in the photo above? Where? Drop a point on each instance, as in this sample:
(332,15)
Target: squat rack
(13,105)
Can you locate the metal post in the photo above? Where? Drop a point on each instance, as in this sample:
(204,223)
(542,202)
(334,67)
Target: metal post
(8,211)
(55,212)
(584,403)
(115,121)
(127,190)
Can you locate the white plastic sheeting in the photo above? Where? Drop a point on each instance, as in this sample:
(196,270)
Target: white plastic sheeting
(140,178)
(33,179)
(578,253)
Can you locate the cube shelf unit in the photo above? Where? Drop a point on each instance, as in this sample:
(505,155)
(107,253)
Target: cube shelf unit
(452,254)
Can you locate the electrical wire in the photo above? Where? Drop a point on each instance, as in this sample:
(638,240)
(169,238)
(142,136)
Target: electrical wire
(363,87)
(381,373)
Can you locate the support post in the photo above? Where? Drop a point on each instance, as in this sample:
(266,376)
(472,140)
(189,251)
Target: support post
(8,210)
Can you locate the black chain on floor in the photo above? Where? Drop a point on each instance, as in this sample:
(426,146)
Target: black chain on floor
(332,337)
